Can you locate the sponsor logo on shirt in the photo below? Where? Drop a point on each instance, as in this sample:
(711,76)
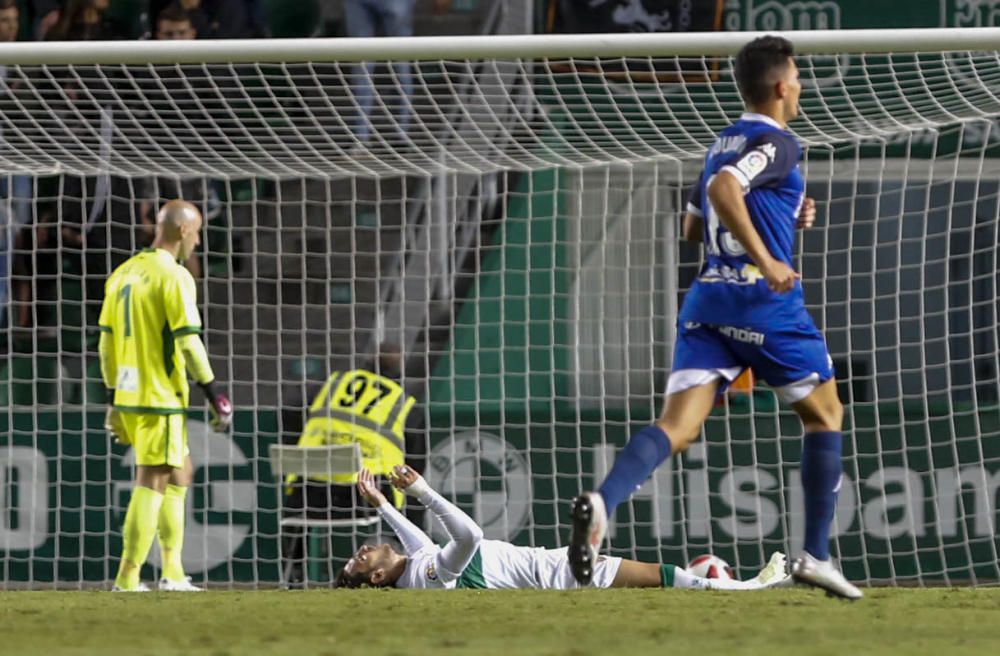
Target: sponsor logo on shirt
(742,335)
(748,274)
(128,379)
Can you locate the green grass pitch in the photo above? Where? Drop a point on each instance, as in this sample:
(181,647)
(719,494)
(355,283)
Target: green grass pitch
(412,623)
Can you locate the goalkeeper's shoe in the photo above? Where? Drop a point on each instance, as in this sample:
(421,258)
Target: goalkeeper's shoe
(590,523)
(142,587)
(169,585)
(775,573)
(822,574)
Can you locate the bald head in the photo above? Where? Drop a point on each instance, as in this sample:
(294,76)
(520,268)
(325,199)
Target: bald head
(173,215)
(179,223)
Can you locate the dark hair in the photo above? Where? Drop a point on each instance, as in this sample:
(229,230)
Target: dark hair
(174,13)
(9,4)
(757,65)
(356,580)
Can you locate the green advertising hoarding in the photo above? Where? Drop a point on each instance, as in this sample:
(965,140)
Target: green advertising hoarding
(921,505)
(64,489)
(914,501)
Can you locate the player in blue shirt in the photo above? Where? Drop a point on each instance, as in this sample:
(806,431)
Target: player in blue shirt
(746,309)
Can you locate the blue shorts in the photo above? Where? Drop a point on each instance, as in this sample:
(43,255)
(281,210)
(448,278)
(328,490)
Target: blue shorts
(793,359)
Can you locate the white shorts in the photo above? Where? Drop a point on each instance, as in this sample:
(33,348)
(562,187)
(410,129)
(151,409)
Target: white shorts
(685,379)
(554,574)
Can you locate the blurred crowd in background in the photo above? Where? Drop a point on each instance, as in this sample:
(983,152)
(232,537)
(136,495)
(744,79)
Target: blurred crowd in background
(81,20)
(60,235)
(68,224)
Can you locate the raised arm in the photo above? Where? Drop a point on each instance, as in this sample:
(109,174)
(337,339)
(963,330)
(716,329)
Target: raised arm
(411,537)
(465,534)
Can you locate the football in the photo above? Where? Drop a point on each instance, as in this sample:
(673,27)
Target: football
(710,567)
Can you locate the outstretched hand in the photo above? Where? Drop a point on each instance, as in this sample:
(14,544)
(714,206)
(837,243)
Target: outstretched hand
(404,478)
(369,490)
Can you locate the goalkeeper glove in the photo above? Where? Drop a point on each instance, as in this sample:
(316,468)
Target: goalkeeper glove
(115,426)
(220,408)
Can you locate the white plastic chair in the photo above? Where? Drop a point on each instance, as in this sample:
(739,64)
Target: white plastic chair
(304,462)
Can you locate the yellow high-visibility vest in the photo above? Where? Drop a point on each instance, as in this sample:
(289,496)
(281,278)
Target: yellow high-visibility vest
(363,407)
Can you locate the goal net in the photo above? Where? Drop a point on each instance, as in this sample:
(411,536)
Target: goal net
(510,223)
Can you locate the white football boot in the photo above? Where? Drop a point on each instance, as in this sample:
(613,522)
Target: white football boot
(775,573)
(822,574)
(589,525)
(169,585)
(142,587)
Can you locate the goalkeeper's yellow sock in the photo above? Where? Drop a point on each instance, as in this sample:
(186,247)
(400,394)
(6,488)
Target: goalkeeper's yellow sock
(138,534)
(171,531)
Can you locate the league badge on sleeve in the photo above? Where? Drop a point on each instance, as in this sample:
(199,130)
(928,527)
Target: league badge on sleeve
(752,164)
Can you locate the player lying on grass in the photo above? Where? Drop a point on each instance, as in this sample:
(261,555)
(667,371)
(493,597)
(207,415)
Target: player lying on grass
(469,561)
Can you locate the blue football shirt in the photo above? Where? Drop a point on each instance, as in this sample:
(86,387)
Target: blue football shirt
(730,290)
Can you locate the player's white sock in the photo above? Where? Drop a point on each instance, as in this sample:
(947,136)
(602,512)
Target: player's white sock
(685,580)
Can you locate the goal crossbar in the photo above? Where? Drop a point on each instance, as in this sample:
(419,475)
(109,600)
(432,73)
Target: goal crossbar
(819,42)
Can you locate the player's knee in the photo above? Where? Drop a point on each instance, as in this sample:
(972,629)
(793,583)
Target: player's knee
(832,415)
(154,477)
(181,476)
(827,417)
(837,415)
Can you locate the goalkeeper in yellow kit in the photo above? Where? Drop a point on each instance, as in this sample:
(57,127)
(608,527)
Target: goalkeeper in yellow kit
(150,340)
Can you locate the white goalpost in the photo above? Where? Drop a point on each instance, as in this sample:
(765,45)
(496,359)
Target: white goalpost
(509,222)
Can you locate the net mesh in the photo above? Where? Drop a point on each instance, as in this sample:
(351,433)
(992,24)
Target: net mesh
(512,226)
